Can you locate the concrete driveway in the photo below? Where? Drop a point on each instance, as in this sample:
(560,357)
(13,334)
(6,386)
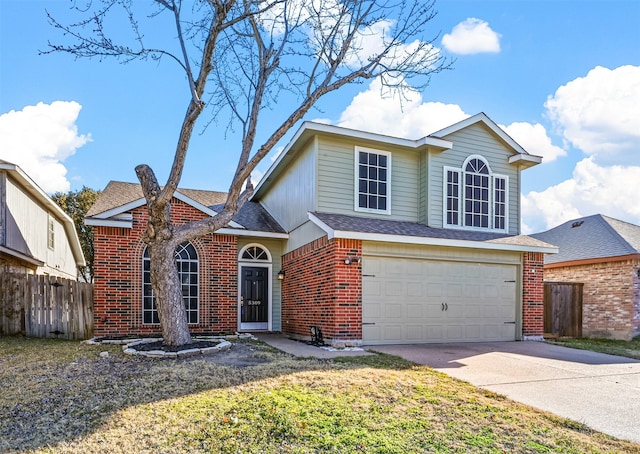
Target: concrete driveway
(601,391)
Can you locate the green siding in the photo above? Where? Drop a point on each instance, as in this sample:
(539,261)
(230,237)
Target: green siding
(336,164)
(304,234)
(293,195)
(476,139)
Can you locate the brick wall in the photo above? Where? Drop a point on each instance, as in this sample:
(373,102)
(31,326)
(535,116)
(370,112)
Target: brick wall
(532,295)
(320,289)
(118,277)
(610,298)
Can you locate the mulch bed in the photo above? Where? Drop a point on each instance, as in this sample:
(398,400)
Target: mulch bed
(158,345)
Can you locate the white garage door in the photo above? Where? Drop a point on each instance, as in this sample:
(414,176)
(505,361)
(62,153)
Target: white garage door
(419,301)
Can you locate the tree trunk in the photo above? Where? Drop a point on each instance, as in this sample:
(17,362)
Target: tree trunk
(167,290)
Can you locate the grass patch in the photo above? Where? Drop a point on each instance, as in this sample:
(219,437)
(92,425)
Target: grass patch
(61,396)
(629,349)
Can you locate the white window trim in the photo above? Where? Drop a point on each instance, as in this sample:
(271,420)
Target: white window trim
(506,201)
(461,202)
(356,177)
(51,233)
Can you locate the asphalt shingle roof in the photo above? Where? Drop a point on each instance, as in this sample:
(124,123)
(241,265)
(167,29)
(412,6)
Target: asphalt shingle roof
(119,193)
(252,215)
(388,227)
(592,237)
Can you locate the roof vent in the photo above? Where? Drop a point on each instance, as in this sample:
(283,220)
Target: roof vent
(576,224)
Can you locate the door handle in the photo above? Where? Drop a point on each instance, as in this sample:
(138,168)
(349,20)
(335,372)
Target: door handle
(443,306)
(446,306)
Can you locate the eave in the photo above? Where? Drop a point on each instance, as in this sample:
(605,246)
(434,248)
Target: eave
(21,256)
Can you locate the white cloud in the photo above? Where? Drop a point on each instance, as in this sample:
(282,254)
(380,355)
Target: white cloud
(598,113)
(378,111)
(593,189)
(39,138)
(534,139)
(472,36)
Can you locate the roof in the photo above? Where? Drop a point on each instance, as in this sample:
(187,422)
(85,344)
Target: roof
(119,194)
(592,237)
(345,226)
(36,193)
(253,216)
(119,197)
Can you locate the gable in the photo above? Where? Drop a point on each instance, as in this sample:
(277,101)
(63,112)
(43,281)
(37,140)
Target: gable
(120,203)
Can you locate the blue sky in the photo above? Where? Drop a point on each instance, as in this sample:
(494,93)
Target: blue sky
(562,78)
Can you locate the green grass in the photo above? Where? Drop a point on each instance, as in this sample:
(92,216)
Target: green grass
(630,349)
(60,396)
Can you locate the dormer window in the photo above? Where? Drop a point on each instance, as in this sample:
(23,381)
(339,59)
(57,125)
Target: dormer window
(475,197)
(373,176)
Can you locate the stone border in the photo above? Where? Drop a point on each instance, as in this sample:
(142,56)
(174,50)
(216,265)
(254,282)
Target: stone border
(128,344)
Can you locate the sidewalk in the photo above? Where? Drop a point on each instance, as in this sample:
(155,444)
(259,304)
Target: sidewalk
(296,348)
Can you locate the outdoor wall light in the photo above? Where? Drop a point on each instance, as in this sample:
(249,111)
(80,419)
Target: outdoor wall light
(350,260)
(280,275)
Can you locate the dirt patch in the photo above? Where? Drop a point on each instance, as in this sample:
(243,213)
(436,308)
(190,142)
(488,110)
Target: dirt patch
(240,354)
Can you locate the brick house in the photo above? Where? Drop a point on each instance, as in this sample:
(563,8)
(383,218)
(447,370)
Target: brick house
(371,238)
(604,254)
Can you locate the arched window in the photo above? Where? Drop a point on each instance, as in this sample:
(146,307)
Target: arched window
(476,194)
(475,197)
(255,253)
(187,264)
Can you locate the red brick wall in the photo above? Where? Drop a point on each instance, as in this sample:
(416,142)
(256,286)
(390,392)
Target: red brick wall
(118,277)
(610,298)
(532,295)
(320,289)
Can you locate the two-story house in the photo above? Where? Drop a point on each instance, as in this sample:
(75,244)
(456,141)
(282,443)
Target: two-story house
(36,235)
(373,239)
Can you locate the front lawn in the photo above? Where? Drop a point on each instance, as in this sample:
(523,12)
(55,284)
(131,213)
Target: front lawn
(630,349)
(62,396)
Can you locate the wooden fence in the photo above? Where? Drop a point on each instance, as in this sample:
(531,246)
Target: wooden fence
(45,306)
(563,309)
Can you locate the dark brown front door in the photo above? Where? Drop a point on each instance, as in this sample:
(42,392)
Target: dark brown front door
(254,298)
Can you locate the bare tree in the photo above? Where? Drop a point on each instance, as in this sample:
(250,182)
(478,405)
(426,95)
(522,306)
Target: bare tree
(240,58)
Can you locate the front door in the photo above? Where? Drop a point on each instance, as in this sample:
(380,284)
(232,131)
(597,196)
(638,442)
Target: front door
(254,298)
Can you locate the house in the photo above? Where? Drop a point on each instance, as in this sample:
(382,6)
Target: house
(373,239)
(36,235)
(603,254)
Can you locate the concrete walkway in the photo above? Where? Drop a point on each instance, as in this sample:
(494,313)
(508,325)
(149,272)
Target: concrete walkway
(601,391)
(296,348)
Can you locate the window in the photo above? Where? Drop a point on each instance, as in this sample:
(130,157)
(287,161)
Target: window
(475,198)
(255,253)
(187,264)
(51,234)
(373,169)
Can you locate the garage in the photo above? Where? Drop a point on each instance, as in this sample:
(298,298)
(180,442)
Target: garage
(414,300)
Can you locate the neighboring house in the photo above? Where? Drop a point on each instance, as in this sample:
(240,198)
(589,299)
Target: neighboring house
(36,235)
(378,240)
(604,254)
